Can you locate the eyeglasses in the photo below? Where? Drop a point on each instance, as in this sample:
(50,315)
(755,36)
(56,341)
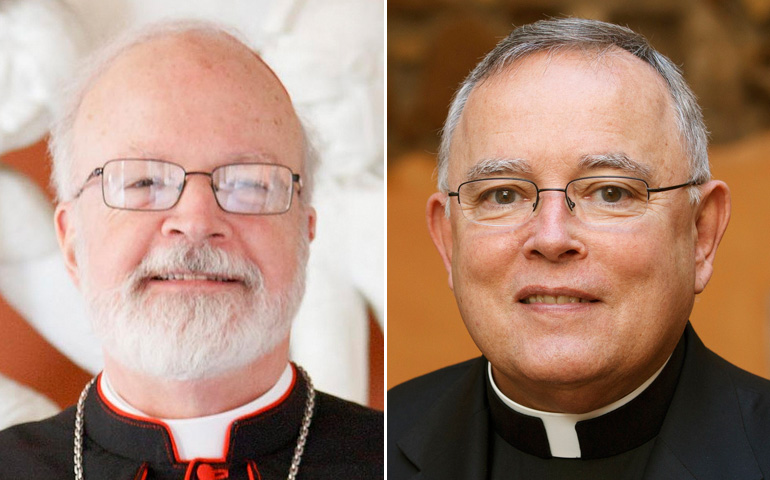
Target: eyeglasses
(152,185)
(509,202)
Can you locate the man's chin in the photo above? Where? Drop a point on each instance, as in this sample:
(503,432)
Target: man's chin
(194,344)
(557,366)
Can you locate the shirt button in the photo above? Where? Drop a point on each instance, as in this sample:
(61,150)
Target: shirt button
(205,472)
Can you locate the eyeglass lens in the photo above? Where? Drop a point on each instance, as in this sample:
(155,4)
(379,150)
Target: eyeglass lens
(508,202)
(253,188)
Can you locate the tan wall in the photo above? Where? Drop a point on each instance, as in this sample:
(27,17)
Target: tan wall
(732,315)
(425,331)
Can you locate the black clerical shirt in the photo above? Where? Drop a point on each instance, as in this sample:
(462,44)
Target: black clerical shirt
(715,425)
(616,445)
(345,441)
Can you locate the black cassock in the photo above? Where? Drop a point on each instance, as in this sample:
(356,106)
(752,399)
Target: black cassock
(345,441)
(616,445)
(702,418)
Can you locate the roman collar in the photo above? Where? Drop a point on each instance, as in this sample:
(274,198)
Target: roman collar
(704,435)
(617,428)
(201,437)
(148,444)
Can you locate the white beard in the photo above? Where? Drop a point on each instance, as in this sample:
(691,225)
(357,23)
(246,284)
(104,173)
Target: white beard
(192,335)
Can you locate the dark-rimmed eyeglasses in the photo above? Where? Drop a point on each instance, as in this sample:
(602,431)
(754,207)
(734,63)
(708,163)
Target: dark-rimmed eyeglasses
(594,200)
(153,185)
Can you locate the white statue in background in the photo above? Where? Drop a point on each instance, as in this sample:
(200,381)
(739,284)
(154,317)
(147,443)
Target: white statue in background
(330,55)
(37,49)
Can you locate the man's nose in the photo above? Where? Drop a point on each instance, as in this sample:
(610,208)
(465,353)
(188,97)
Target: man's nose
(551,234)
(197,215)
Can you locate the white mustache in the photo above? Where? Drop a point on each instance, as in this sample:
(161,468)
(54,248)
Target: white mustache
(200,259)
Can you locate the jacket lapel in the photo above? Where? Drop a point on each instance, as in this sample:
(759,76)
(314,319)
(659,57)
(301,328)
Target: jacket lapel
(703,435)
(451,441)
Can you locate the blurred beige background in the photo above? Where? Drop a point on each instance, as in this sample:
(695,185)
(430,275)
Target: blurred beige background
(724,49)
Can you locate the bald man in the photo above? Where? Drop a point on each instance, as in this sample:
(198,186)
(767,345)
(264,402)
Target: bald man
(184,180)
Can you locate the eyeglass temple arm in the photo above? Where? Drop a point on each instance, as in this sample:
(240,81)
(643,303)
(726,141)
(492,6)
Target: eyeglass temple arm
(97,171)
(674,187)
(296,178)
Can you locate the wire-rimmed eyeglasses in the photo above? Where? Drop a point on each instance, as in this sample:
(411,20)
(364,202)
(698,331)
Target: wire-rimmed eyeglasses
(594,200)
(153,185)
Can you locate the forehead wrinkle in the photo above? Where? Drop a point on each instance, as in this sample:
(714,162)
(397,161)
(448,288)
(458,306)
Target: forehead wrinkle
(238,157)
(615,161)
(144,153)
(498,166)
(252,157)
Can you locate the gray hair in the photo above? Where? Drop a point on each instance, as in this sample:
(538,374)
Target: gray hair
(585,35)
(61,146)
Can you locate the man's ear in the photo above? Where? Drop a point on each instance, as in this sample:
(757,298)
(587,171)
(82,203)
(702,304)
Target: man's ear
(440,230)
(712,217)
(64,223)
(311,221)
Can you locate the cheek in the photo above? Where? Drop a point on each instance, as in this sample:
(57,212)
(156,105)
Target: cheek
(647,272)
(113,248)
(483,263)
(626,260)
(278,249)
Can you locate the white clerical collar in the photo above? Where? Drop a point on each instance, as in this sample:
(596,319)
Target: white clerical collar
(203,437)
(560,427)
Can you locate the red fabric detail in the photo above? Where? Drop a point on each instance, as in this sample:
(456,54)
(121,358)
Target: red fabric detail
(113,410)
(156,424)
(142,473)
(261,410)
(204,471)
(251,467)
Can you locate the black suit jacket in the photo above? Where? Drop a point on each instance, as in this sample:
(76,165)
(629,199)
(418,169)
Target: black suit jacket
(717,426)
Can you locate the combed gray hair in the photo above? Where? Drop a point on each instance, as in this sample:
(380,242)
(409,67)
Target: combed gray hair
(585,35)
(61,146)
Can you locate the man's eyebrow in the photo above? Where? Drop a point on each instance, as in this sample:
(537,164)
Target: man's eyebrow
(498,166)
(616,161)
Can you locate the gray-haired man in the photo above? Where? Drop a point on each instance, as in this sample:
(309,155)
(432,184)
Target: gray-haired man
(577,220)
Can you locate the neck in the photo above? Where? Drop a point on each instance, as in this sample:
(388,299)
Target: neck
(573,398)
(170,399)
